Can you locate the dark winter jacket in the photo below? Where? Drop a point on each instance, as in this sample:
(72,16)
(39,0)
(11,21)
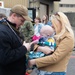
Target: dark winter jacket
(12,52)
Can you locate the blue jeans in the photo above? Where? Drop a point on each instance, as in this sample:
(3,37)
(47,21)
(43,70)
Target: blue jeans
(50,73)
(57,73)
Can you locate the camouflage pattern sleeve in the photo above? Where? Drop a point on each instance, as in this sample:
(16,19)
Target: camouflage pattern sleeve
(28,31)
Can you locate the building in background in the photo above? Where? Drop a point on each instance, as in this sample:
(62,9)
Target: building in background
(42,6)
(65,6)
(11,3)
(5,5)
(68,7)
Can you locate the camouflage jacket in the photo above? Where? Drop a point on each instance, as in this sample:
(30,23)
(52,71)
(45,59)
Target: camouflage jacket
(27,31)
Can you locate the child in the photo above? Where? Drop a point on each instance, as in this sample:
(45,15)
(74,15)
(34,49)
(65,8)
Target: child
(37,27)
(46,39)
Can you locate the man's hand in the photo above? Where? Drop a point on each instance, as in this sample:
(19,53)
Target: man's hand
(27,45)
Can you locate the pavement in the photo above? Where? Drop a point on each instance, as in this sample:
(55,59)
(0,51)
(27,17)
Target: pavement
(74,37)
(71,65)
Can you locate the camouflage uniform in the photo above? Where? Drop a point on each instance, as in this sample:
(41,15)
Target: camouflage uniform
(27,31)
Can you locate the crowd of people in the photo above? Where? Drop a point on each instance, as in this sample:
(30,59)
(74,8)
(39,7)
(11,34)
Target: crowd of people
(46,45)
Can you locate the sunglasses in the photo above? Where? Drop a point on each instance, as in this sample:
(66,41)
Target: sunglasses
(56,14)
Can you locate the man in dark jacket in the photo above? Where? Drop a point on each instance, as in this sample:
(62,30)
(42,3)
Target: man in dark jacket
(12,49)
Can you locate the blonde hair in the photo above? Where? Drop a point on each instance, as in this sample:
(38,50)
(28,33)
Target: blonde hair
(65,24)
